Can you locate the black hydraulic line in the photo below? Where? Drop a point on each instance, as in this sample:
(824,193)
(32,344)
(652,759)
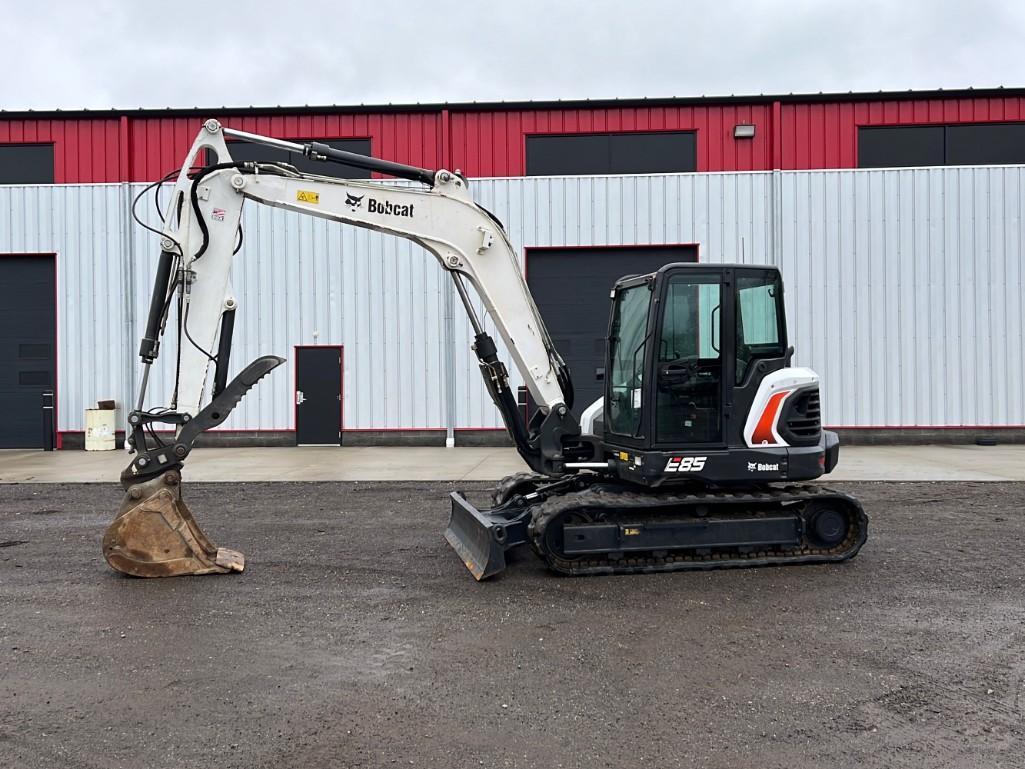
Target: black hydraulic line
(150,346)
(467,304)
(184,329)
(318,151)
(223,351)
(194,198)
(245,166)
(562,376)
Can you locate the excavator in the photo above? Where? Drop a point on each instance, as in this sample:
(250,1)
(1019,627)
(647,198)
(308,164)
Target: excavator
(695,458)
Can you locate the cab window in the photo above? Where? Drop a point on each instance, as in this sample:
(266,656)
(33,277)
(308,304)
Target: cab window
(759,313)
(626,349)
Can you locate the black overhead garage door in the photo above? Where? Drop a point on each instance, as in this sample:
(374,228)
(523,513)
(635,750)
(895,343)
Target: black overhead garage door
(28,333)
(571,288)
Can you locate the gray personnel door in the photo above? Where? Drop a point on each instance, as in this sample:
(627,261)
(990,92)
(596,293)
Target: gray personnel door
(28,341)
(318,396)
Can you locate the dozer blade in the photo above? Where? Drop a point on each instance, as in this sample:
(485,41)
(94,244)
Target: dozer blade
(482,537)
(155,535)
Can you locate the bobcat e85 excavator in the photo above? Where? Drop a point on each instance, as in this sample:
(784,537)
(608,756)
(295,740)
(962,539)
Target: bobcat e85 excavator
(690,461)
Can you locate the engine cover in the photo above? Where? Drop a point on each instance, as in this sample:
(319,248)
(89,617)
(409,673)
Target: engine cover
(762,428)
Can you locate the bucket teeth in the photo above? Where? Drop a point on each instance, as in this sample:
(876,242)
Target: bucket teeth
(155,535)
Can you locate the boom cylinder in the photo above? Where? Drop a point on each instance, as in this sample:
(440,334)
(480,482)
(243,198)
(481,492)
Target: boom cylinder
(150,345)
(496,380)
(320,151)
(224,351)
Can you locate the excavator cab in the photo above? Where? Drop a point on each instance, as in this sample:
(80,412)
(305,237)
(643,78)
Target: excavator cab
(692,365)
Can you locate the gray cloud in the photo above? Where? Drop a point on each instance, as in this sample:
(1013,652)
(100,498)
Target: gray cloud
(129,54)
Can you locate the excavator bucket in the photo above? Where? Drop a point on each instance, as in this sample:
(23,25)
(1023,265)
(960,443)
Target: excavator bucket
(481,537)
(155,535)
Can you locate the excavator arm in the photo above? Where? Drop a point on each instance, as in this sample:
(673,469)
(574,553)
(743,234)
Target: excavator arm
(154,533)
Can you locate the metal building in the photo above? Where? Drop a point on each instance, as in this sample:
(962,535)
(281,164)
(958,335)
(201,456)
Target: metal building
(896,219)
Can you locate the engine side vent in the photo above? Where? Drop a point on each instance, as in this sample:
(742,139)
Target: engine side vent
(803,424)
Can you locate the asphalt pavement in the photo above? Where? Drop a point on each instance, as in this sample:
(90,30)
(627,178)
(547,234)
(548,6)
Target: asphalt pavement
(356,638)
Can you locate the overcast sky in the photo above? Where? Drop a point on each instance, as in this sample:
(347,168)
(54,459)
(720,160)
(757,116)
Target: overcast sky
(102,54)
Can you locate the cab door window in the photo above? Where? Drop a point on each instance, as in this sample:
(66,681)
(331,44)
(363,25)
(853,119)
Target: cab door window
(689,364)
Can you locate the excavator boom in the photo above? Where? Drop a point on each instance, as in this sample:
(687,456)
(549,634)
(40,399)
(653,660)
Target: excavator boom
(154,534)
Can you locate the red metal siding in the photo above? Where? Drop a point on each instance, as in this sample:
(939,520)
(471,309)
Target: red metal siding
(83,150)
(493,143)
(159,144)
(826,135)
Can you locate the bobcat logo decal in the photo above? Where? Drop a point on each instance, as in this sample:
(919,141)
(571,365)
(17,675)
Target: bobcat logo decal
(377,207)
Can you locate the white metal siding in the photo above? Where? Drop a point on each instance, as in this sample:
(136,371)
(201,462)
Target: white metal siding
(83,226)
(904,288)
(904,292)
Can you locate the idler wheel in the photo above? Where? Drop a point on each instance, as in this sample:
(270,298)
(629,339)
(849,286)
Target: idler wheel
(827,526)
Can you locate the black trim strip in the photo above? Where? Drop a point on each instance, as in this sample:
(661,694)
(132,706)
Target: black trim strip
(494,106)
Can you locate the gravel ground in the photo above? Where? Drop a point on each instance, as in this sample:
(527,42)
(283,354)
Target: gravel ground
(357,639)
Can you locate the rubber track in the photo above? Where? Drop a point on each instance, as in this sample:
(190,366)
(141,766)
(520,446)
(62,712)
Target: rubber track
(768,500)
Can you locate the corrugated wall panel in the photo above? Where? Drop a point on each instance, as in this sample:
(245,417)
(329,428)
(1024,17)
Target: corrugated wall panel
(84,151)
(825,135)
(904,288)
(904,291)
(493,143)
(82,225)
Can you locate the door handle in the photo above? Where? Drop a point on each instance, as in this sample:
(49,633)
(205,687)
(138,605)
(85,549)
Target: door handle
(676,373)
(299,397)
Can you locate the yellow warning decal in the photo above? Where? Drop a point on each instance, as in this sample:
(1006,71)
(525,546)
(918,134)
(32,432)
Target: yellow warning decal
(631,532)
(624,456)
(305,196)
